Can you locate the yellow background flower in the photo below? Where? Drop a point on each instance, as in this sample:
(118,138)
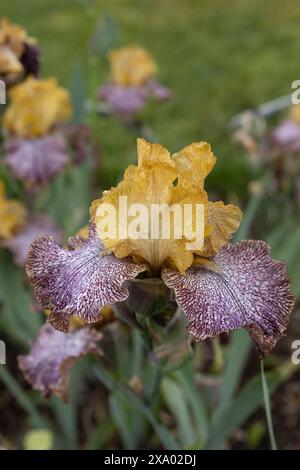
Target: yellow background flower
(12,215)
(12,42)
(36,106)
(131,66)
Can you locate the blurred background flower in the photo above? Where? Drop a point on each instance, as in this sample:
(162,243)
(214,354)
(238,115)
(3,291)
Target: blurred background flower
(36,106)
(34,151)
(12,215)
(132,82)
(19,54)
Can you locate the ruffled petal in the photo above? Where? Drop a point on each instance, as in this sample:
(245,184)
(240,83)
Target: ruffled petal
(36,161)
(37,225)
(223,222)
(195,162)
(79,281)
(47,367)
(151,184)
(243,288)
(150,155)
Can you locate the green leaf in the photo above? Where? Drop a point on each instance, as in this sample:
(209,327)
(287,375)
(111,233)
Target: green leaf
(186,376)
(78,94)
(122,414)
(250,213)
(244,405)
(105,35)
(176,401)
(17,317)
(20,396)
(70,197)
(238,351)
(268,407)
(103,433)
(112,384)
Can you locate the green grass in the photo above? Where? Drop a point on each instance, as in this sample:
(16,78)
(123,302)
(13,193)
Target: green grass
(217,56)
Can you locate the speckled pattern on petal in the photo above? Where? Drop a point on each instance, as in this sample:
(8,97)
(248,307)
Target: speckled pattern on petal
(37,161)
(247,288)
(37,225)
(47,366)
(79,281)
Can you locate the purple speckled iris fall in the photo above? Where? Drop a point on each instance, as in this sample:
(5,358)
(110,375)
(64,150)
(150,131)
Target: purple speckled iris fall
(78,281)
(36,161)
(243,287)
(47,366)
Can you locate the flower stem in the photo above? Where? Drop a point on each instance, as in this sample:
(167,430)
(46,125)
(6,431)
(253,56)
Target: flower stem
(267,407)
(143,321)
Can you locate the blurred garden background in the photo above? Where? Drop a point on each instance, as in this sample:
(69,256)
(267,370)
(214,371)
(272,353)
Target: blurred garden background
(219,58)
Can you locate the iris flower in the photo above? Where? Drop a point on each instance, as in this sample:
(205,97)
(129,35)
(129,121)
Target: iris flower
(132,82)
(19,55)
(12,215)
(219,287)
(34,151)
(47,367)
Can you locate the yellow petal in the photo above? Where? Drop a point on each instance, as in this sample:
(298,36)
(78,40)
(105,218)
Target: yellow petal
(167,184)
(10,66)
(12,215)
(223,222)
(149,185)
(83,232)
(131,66)
(150,155)
(13,36)
(195,162)
(36,106)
